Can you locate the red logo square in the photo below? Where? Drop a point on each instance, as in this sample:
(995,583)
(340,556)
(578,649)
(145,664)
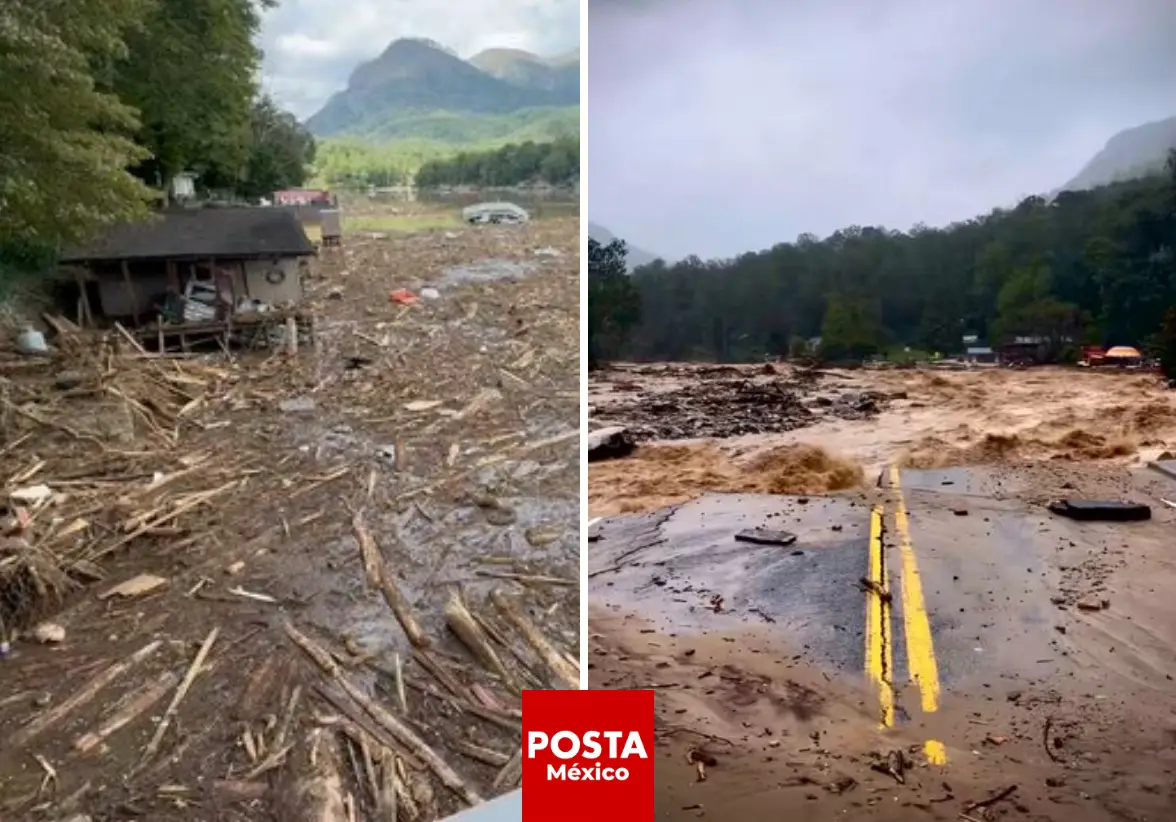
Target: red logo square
(588,755)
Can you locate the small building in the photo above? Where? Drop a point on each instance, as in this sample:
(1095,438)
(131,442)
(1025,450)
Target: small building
(979,354)
(249,259)
(331,226)
(183,187)
(1024,350)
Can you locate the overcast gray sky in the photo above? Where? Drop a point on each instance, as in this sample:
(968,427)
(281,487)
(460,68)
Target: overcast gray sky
(311,46)
(721,127)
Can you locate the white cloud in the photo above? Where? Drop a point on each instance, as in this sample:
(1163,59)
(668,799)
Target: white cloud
(311,46)
(299,45)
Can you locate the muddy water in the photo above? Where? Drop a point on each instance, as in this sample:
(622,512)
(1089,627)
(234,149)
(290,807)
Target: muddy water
(485,271)
(946,418)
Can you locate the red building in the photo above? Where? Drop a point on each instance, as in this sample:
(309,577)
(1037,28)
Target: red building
(303,196)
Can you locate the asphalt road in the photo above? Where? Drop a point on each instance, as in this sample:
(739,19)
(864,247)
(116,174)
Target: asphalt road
(936,584)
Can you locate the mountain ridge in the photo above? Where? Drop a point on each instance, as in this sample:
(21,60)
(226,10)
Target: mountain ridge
(416,77)
(1130,153)
(635,258)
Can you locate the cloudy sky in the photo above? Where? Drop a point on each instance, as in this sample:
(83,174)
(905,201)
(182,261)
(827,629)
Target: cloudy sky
(720,127)
(311,46)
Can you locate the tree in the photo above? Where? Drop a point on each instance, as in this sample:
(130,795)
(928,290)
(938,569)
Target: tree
(850,329)
(1167,344)
(65,144)
(1091,267)
(190,69)
(281,151)
(556,163)
(614,306)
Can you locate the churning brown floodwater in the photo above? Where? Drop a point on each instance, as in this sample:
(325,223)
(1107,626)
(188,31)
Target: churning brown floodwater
(934,418)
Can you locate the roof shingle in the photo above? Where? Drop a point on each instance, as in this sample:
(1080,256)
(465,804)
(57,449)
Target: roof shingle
(202,233)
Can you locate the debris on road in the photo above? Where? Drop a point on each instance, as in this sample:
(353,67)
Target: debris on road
(874,587)
(765,536)
(894,764)
(999,796)
(1101,511)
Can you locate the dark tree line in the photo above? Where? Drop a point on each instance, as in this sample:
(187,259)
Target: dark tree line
(555,163)
(614,304)
(1096,267)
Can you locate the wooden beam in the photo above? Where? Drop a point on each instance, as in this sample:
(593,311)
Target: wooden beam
(126,272)
(87,312)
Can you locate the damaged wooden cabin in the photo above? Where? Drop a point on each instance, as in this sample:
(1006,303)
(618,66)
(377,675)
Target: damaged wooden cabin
(189,275)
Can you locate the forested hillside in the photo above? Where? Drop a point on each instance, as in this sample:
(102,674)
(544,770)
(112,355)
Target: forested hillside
(1097,265)
(103,100)
(555,163)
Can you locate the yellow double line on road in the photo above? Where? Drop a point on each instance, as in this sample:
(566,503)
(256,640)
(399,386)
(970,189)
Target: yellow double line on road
(916,626)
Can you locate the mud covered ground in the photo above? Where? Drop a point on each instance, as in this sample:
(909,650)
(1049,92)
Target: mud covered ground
(411,475)
(780,738)
(1051,638)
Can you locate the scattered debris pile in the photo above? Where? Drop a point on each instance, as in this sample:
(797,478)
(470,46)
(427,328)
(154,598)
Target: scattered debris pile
(388,743)
(721,406)
(92,463)
(326,578)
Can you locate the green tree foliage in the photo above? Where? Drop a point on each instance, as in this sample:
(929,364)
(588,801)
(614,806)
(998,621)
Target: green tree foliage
(190,70)
(851,328)
(1167,344)
(374,159)
(64,143)
(1027,307)
(101,99)
(1091,266)
(614,306)
(280,153)
(557,163)
(350,163)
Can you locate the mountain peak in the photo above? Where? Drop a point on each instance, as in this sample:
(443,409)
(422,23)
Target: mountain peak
(427,42)
(566,59)
(522,68)
(417,75)
(1133,152)
(635,258)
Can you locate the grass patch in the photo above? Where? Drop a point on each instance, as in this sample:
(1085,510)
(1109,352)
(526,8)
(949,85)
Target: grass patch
(401,222)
